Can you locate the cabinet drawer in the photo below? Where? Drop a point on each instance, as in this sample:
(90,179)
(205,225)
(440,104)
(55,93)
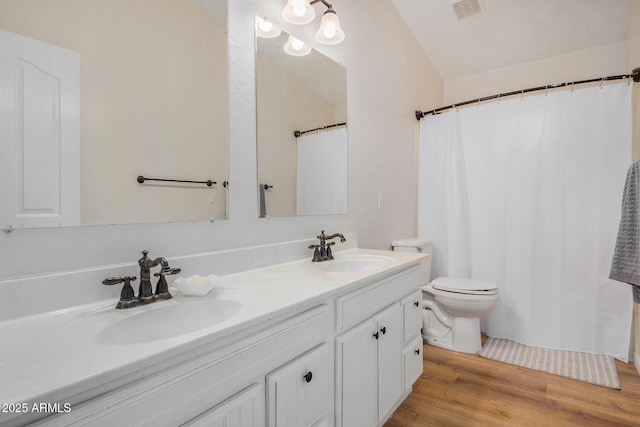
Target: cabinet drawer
(298,393)
(412,308)
(412,362)
(355,307)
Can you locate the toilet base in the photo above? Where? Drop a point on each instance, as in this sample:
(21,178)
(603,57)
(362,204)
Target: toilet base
(463,336)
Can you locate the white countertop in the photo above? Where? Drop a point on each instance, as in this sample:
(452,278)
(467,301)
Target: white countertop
(55,356)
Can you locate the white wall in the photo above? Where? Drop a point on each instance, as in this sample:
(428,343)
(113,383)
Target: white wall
(594,62)
(633,38)
(388,78)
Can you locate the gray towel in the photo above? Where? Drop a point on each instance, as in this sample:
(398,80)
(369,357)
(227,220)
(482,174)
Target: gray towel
(263,204)
(625,266)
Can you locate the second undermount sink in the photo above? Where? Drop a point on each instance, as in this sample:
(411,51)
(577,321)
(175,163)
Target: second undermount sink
(168,319)
(354,263)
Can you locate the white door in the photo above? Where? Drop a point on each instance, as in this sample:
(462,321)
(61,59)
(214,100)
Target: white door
(39,133)
(389,358)
(357,379)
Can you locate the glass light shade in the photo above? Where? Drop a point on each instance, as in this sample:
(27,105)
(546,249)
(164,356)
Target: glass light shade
(266,29)
(298,12)
(330,32)
(295,47)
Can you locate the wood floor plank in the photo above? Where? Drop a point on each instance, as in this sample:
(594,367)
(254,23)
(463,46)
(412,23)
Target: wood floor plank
(459,389)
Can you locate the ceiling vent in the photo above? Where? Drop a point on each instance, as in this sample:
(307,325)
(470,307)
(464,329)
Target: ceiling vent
(466,8)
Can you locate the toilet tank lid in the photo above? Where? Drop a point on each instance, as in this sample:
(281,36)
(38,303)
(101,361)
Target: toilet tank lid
(412,242)
(456,283)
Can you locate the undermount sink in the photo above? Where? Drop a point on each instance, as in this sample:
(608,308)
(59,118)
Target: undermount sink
(353,263)
(168,319)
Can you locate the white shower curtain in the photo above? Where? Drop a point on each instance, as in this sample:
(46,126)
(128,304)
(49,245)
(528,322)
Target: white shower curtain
(526,193)
(322,172)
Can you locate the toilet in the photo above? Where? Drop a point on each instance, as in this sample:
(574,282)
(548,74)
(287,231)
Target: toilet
(452,306)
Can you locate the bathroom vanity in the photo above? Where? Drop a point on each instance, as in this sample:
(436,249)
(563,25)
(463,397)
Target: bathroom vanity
(295,343)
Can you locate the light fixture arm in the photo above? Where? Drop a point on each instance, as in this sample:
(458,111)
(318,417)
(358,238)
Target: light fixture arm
(324,2)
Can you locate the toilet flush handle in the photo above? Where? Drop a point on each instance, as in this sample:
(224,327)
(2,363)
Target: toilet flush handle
(420,249)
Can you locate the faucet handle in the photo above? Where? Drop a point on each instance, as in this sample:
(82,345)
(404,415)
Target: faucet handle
(167,271)
(127,295)
(115,280)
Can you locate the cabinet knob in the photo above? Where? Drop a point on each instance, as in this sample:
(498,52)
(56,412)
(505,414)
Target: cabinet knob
(418,351)
(376,335)
(383,330)
(307,377)
(417,303)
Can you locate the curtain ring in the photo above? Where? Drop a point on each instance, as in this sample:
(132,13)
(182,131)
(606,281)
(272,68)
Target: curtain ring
(546,89)
(521,94)
(572,84)
(601,81)
(498,98)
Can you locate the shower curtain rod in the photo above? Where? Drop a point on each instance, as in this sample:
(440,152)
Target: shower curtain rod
(298,133)
(635,75)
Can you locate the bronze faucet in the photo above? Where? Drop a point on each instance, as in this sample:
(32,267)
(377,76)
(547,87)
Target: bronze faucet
(322,252)
(145,290)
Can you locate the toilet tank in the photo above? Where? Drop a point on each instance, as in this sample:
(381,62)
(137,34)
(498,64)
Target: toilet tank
(420,245)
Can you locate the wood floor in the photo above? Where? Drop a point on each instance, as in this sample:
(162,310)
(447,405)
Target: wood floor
(467,390)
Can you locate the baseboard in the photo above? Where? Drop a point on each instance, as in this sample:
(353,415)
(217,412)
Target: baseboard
(636,361)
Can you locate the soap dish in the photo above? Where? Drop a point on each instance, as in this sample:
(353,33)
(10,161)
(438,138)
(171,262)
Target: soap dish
(196,286)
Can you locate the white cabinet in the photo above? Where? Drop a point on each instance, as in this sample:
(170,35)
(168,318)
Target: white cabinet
(298,393)
(212,385)
(241,410)
(412,350)
(364,345)
(373,373)
(389,358)
(370,358)
(412,362)
(357,382)
(412,310)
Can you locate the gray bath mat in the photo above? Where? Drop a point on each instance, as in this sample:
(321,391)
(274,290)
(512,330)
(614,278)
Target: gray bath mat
(591,368)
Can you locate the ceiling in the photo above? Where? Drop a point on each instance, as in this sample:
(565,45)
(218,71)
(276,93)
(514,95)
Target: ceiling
(508,32)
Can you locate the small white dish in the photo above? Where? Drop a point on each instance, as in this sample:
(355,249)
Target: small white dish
(196,286)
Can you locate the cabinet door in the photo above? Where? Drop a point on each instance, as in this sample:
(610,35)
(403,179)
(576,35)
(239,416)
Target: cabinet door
(240,410)
(390,379)
(412,308)
(356,376)
(413,364)
(298,393)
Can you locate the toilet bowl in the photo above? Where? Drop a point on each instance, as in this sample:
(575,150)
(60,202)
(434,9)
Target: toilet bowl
(452,306)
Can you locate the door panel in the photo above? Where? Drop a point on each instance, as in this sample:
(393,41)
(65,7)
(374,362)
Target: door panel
(40,133)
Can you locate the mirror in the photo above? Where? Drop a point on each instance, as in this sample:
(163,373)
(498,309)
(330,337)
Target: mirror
(304,175)
(148,81)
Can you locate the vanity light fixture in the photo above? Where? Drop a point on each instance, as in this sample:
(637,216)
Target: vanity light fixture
(266,29)
(300,12)
(296,47)
(330,32)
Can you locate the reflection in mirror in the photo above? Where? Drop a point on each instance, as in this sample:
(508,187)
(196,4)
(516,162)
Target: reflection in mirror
(103,91)
(305,93)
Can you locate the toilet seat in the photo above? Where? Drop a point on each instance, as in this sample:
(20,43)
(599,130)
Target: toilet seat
(464,286)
